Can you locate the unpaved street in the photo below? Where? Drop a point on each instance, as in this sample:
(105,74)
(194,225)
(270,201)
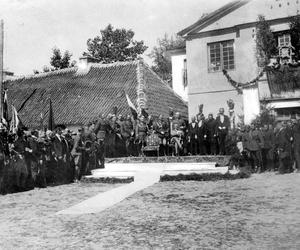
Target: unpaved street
(261,212)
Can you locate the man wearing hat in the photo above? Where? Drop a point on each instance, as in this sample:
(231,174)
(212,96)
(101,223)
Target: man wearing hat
(60,153)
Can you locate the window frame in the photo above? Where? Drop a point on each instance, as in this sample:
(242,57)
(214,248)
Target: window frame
(283,36)
(221,43)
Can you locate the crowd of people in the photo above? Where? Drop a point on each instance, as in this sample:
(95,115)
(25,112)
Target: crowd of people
(270,147)
(32,158)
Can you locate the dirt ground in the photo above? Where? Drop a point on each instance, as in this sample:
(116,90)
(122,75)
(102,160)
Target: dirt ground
(261,212)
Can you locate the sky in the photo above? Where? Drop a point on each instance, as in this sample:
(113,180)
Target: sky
(32,28)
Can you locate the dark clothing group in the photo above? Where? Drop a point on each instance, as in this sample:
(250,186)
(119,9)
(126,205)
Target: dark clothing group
(31,159)
(174,136)
(269,149)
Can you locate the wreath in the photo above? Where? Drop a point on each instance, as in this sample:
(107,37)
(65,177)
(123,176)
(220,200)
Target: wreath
(239,86)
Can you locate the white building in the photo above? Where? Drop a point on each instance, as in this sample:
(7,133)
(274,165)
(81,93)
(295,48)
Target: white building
(225,39)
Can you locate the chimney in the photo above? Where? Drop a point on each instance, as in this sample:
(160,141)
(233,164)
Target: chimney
(86,60)
(8,75)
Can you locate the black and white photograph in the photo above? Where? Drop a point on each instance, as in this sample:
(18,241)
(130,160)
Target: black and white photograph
(149,124)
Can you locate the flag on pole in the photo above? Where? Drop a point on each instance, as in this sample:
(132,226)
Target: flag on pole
(51,123)
(4,117)
(14,123)
(132,107)
(5,106)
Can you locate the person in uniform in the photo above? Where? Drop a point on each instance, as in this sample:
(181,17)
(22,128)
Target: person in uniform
(76,154)
(127,132)
(296,143)
(193,136)
(69,141)
(288,127)
(101,129)
(141,133)
(178,127)
(161,128)
(222,127)
(81,149)
(120,140)
(283,147)
(254,144)
(110,144)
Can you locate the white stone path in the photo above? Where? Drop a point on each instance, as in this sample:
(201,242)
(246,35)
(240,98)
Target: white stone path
(107,199)
(144,176)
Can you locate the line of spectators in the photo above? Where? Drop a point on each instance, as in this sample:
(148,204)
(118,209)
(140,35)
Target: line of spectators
(269,148)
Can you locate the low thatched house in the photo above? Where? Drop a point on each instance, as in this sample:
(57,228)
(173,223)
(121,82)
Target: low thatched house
(80,94)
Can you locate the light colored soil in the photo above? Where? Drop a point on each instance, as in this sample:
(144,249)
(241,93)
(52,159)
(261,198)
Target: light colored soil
(261,212)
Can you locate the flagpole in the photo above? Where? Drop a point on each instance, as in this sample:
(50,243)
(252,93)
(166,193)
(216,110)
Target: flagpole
(1,65)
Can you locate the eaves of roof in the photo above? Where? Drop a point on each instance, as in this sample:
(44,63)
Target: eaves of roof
(212,17)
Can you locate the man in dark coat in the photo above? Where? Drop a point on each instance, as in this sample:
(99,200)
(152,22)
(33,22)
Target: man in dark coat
(19,164)
(296,143)
(211,140)
(193,136)
(268,147)
(222,127)
(283,147)
(81,147)
(60,148)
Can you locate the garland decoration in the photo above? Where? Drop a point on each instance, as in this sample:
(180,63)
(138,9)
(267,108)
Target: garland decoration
(239,86)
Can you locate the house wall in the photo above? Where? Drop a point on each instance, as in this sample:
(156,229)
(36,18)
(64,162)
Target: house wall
(177,76)
(212,88)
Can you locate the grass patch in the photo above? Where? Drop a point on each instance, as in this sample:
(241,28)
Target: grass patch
(111,180)
(206,176)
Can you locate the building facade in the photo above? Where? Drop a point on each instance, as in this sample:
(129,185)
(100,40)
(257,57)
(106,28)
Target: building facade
(226,39)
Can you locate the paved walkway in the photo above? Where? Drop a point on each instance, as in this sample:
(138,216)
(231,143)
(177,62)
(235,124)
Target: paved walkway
(145,175)
(98,203)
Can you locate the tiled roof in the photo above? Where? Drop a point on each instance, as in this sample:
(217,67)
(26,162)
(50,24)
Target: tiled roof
(80,96)
(213,17)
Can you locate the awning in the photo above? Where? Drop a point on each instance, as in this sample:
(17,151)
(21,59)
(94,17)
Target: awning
(284,104)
